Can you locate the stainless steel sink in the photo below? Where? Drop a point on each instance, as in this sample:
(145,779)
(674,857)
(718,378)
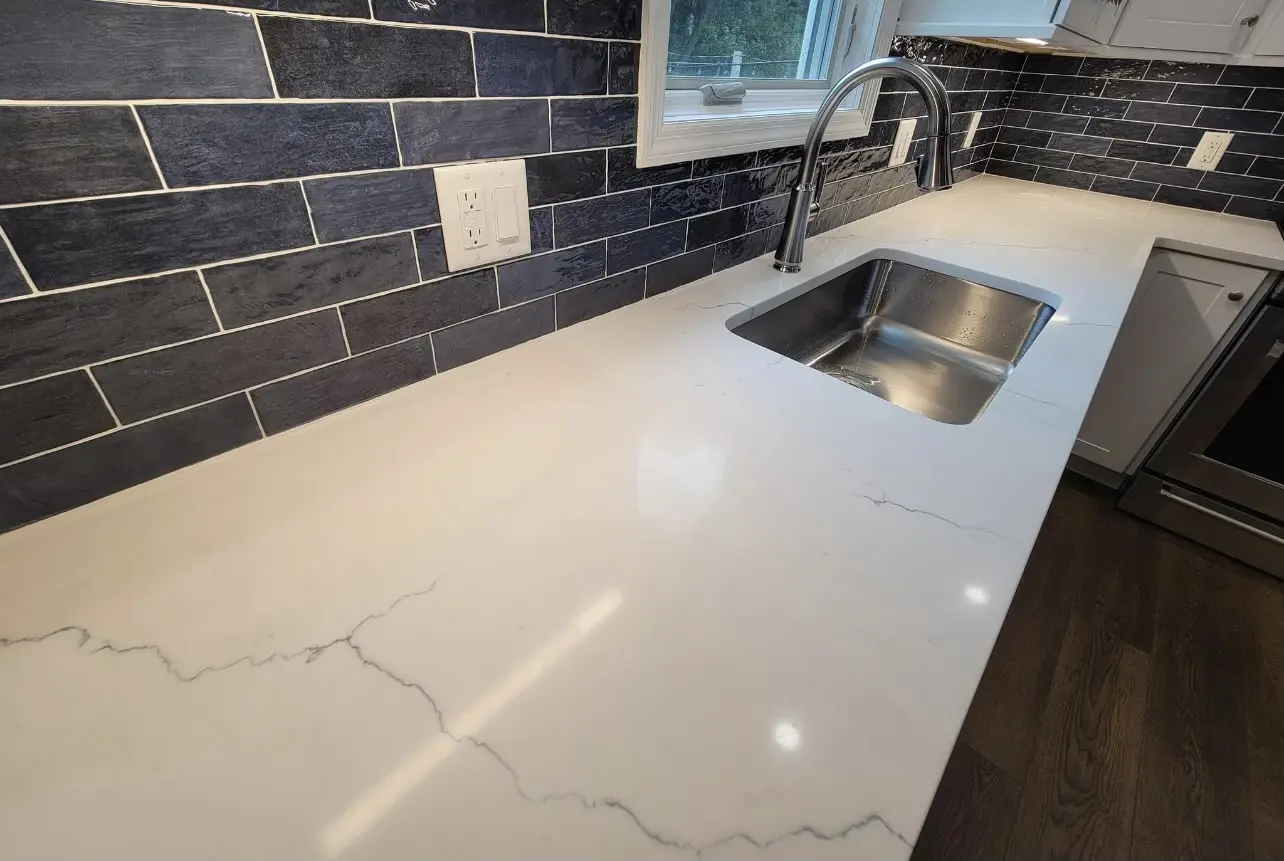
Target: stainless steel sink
(935,344)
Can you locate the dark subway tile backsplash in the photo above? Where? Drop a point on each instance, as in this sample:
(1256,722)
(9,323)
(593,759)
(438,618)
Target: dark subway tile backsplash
(495,14)
(55,152)
(602,19)
(524,280)
(57,331)
(321,249)
(350,206)
(565,176)
(476,339)
(585,123)
(66,244)
(336,60)
(1142,128)
(419,310)
(73,476)
(261,290)
(50,413)
(166,380)
(12,284)
(435,132)
(624,174)
(598,297)
(540,66)
(77,49)
(645,246)
(599,217)
(297,400)
(221,144)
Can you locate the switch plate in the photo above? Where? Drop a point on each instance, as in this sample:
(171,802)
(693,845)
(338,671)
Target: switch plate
(904,135)
(1212,146)
(485,213)
(971,129)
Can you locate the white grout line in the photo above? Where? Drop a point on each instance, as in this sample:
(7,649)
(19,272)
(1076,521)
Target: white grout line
(396,136)
(432,347)
(343,330)
(291,100)
(545,16)
(212,264)
(316,240)
(281,181)
(147,142)
(378,22)
(372,12)
(210,297)
(255,410)
(550,124)
(103,395)
(266,62)
(26,276)
(414,249)
(472,50)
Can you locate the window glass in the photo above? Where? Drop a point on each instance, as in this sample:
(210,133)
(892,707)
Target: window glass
(753,39)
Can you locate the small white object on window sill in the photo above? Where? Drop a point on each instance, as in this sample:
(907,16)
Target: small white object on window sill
(723,93)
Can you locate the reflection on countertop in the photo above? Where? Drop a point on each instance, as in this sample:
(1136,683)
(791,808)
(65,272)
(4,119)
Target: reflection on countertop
(638,589)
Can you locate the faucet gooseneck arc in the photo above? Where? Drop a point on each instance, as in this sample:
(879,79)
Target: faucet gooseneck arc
(934,170)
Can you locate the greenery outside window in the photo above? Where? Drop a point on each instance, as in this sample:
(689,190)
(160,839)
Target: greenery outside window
(786,53)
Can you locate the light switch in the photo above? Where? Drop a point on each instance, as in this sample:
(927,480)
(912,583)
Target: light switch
(485,214)
(507,227)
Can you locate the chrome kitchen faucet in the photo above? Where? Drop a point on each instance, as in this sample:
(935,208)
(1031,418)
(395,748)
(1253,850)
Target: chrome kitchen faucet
(934,170)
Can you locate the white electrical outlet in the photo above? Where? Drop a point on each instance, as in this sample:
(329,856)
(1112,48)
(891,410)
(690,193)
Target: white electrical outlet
(904,135)
(485,213)
(971,129)
(1212,146)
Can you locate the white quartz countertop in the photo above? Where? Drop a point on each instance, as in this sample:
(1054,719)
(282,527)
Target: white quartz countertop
(638,589)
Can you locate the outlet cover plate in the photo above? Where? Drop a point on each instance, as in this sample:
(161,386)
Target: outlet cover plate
(1212,146)
(904,137)
(483,177)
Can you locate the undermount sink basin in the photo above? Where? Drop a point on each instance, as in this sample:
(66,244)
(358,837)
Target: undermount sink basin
(928,342)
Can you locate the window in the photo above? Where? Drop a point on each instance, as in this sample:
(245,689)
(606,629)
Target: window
(786,53)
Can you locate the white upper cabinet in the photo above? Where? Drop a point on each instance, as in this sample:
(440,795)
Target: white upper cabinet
(1095,19)
(1271,35)
(1216,31)
(1212,26)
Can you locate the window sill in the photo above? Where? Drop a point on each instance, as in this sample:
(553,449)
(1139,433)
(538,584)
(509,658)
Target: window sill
(765,119)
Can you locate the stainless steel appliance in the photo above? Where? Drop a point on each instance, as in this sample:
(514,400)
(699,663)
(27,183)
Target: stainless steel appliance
(1218,475)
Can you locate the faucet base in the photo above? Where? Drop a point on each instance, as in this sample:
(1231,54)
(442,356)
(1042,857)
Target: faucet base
(788,267)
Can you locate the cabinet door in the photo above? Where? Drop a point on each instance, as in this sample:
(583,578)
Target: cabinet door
(1180,312)
(1187,25)
(1095,19)
(1271,40)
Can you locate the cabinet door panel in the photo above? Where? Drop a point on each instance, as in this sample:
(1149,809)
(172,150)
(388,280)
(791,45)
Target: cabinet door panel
(1271,40)
(1186,25)
(1095,19)
(1179,314)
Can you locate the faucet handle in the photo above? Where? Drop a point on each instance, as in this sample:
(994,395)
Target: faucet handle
(822,168)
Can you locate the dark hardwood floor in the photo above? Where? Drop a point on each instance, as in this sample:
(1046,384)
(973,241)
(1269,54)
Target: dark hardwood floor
(1133,706)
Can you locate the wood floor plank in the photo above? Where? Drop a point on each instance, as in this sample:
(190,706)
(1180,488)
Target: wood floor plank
(1193,801)
(1003,721)
(1265,605)
(972,813)
(1078,794)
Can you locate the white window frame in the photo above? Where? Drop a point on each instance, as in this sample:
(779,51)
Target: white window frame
(674,125)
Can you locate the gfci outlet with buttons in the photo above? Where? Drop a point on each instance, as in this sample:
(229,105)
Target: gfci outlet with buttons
(485,214)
